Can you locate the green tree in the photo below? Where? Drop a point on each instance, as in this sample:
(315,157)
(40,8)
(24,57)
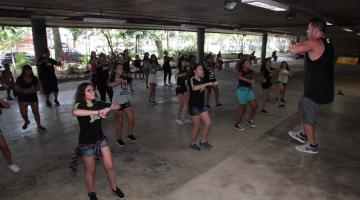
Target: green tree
(57,42)
(77,33)
(11,38)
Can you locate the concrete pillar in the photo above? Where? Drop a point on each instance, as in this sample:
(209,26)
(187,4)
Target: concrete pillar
(39,36)
(39,39)
(263,46)
(200,45)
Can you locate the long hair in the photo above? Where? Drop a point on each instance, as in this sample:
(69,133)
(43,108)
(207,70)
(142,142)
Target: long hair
(80,93)
(27,67)
(241,63)
(263,64)
(112,71)
(146,56)
(287,65)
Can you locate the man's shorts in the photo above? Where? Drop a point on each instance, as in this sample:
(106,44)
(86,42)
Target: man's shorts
(308,110)
(244,95)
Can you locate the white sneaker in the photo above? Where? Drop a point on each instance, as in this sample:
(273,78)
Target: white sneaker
(15,169)
(187,121)
(179,121)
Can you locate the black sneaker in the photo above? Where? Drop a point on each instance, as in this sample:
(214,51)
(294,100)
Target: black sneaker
(283,100)
(282,106)
(131,138)
(41,129)
(48,103)
(120,142)
(250,123)
(26,124)
(57,102)
(10,98)
(194,147)
(208,106)
(205,145)
(118,193)
(238,127)
(92,196)
(219,104)
(263,110)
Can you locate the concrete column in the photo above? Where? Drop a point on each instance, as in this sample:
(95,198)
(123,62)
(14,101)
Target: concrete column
(200,45)
(263,46)
(39,39)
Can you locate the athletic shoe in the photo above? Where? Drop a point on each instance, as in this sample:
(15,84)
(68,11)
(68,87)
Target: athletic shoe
(120,142)
(299,136)
(208,106)
(283,100)
(41,129)
(131,138)
(187,121)
(57,102)
(48,103)
(92,196)
(154,102)
(263,110)
(194,147)
(308,148)
(205,145)
(250,123)
(118,193)
(219,104)
(179,121)
(282,106)
(170,83)
(26,124)
(238,127)
(15,169)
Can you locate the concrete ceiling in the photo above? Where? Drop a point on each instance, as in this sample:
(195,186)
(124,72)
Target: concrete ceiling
(172,14)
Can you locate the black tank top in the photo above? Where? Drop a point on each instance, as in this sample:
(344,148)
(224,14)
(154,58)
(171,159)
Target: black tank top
(319,75)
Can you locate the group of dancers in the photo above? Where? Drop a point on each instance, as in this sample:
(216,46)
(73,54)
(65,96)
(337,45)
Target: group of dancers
(193,80)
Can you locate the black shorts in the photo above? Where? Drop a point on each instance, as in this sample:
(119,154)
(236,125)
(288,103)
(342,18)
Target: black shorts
(180,90)
(124,106)
(266,85)
(50,87)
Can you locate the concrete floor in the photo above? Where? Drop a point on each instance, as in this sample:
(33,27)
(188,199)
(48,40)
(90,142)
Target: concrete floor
(256,164)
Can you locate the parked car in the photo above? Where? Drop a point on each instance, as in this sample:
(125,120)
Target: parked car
(71,55)
(7,57)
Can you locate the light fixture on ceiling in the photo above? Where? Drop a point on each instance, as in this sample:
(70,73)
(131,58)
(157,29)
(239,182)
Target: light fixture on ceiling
(104,20)
(267,4)
(291,15)
(347,29)
(230,4)
(329,24)
(358,33)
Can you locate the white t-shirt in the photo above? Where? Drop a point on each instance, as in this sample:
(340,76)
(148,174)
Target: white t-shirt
(283,76)
(121,92)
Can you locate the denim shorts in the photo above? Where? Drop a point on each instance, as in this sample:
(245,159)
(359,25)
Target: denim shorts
(308,110)
(123,106)
(244,95)
(195,111)
(91,151)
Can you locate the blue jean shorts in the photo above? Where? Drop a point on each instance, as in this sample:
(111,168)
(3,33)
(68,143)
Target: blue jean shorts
(244,95)
(195,111)
(91,151)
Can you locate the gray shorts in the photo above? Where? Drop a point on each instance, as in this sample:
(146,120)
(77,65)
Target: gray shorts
(308,110)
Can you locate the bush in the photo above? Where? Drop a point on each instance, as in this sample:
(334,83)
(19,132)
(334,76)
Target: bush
(21,60)
(191,50)
(71,68)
